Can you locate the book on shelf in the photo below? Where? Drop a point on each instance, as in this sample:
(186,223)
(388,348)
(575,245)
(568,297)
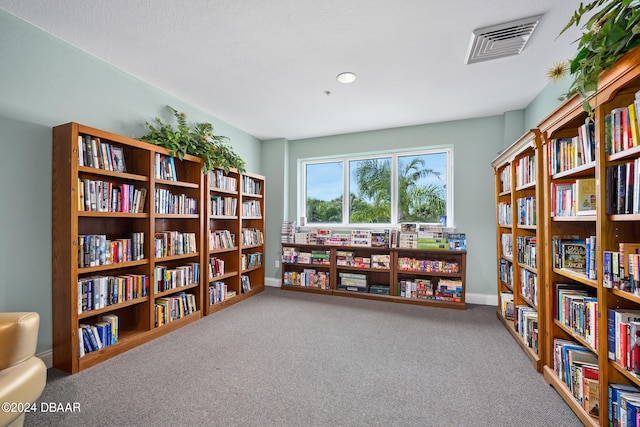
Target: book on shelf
(574,256)
(615,391)
(245,283)
(506,305)
(586,196)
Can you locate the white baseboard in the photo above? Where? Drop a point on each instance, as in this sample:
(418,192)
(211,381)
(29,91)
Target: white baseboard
(480,299)
(47,358)
(270,281)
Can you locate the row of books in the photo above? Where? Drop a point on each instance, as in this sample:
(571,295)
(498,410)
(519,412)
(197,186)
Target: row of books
(245,283)
(527,250)
(409,235)
(308,278)
(505,180)
(168,309)
(569,153)
(525,170)
(95,249)
(577,367)
(166,278)
(219,292)
(94,153)
(529,286)
(99,335)
(221,239)
(526,210)
(251,186)
(180,204)
(219,180)
(506,243)
(507,309)
(623,335)
(350,259)
(165,167)
(353,282)
(252,236)
(526,324)
(428,265)
(251,208)
(571,198)
(291,255)
(223,206)
(576,307)
(621,127)
(575,253)
(506,273)
(623,188)
(250,260)
(101,291)
(505,213)
(441,290)
(623,405)
(216,267)
(105,196)
(417,288)
(621,269)
(170,243)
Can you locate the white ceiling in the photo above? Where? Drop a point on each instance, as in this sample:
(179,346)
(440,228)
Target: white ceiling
(264,66)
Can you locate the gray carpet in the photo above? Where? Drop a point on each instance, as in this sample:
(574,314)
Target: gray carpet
(287,358)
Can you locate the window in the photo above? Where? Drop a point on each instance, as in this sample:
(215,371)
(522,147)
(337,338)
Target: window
(382,189)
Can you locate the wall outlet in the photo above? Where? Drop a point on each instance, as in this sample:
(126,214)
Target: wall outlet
(277,264)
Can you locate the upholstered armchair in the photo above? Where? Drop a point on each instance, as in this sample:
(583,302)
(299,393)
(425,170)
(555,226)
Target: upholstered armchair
(22,375)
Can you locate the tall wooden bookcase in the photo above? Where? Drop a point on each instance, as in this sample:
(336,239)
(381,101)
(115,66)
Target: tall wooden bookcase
(159,207)
(617,88)
(519,234)
(235,236)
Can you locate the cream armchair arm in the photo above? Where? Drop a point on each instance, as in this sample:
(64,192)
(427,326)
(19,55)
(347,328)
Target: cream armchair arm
(22,375)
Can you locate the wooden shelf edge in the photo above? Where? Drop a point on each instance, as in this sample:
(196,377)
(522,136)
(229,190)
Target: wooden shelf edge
(536,361)
(554,381)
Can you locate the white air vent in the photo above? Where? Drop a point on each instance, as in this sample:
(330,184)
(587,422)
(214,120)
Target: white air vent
(500,40)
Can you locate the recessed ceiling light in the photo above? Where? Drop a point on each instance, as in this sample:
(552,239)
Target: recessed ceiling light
(346,77)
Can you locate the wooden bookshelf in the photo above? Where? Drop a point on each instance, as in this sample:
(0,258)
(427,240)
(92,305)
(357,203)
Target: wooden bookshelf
(158,289)
(386,280)
(229,239)
(605,229)
(519,233)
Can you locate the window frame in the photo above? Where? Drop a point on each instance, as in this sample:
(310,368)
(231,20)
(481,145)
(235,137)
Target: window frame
(394,155)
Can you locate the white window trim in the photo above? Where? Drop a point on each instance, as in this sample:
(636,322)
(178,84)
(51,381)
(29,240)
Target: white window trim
(302,185)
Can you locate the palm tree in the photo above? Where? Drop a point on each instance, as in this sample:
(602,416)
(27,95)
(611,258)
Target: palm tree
(415,200)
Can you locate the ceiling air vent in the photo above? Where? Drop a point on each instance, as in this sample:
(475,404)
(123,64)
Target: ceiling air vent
(501,40)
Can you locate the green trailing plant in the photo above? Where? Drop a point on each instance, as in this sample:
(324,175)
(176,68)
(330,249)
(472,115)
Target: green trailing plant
(612,30)
(197,140)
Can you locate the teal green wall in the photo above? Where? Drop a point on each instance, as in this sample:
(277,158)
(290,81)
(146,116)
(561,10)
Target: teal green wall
(45,82)
(475,144)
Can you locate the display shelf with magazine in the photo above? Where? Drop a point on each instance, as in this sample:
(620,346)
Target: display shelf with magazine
(430,277)
(405,275)
(518,233)
(105,220)
(592,234)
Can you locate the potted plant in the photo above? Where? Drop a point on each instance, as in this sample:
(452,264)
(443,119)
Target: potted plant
(613,30)
(198,140)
